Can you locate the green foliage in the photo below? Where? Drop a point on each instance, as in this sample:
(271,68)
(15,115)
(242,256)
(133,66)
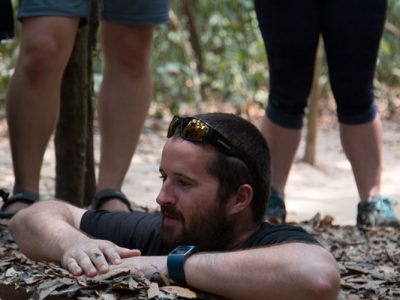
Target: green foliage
(387,78)
(388,69)
(8,56)
(233,52)
(6,69)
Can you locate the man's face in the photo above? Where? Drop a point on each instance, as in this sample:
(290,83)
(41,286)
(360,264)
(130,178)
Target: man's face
(191,212)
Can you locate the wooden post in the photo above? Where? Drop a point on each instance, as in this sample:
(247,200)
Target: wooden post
(312,116)
(75,179)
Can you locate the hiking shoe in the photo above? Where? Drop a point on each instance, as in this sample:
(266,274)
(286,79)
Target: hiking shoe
(377,212)
(276,209)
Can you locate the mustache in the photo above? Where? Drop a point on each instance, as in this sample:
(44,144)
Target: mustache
(171,212)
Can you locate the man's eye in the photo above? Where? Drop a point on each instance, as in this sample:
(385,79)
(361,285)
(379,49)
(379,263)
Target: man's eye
(184,183)
(163,177)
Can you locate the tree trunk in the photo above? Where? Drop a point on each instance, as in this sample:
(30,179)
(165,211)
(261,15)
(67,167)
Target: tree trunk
(194,33)
(312,116)
(90,183)
(75,179)
(192,61)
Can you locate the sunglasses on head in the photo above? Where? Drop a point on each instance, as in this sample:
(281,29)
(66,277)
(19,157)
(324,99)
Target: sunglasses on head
(198,131)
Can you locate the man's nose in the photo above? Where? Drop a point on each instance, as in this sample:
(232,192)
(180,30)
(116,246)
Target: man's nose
(166,195)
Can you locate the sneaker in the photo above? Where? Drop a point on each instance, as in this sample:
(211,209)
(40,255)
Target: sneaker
(276,209)
(377,212)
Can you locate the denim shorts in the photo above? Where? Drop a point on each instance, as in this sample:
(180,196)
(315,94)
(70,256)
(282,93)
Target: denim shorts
(116,11)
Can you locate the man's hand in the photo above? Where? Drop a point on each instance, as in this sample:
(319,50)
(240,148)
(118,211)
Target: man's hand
(93,256)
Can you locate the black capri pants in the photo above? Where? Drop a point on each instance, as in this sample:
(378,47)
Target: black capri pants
(351,30)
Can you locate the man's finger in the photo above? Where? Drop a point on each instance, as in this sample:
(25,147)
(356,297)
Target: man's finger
(125,252)
(86,264)
(72,266)
(98,259)
(114,254)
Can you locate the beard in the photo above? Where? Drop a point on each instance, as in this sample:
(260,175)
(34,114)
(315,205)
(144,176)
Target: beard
(209,231)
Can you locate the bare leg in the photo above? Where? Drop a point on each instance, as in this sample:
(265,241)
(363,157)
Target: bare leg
(283,144)
(33,95)
(362,145)
(124,100)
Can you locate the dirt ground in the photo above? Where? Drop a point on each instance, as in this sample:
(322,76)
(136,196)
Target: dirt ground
(327,188)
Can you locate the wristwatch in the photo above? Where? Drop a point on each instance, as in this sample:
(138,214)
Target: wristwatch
(176,260)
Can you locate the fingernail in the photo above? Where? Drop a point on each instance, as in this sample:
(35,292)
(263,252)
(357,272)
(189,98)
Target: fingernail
(77,271)
(103,268)
(92,271)
(117,261)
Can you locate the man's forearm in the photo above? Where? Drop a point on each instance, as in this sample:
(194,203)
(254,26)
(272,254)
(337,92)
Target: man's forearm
(43,230)
(290,271)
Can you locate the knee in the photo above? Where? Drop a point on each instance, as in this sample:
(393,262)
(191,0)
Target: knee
(43,56)
(129,54)
(133,59)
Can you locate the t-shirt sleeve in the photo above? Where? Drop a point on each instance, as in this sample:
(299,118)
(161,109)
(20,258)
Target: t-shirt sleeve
(270,234)
(134,230)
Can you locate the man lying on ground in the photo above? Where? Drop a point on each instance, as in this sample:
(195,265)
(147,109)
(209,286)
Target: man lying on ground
(210,233)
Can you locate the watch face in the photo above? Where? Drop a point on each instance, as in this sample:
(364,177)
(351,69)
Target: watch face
(183,250)
(176,260)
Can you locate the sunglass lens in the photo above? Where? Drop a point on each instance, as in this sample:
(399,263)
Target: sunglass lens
(195,130)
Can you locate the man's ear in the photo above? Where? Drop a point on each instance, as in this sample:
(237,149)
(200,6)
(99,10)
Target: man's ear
(241,199)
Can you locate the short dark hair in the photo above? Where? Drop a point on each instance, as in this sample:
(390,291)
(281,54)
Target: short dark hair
(253,167)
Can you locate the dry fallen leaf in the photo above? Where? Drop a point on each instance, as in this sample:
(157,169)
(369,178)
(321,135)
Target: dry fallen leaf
(153,291)
(180,292)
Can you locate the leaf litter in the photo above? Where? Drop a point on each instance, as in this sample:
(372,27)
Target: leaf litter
(368,259)
(42,280)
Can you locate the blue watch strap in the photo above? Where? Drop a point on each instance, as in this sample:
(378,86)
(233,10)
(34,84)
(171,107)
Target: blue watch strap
(176,260)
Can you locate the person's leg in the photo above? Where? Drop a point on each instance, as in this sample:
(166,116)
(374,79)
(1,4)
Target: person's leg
(33,95)
(351,70)
(283,143)
(290,31)
(123,101)
(362,146)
